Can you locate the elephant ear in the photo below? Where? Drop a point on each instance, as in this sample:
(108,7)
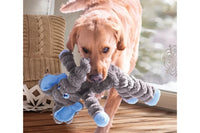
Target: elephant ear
(75,6)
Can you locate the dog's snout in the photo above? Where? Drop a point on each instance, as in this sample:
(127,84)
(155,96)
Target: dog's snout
(96,78)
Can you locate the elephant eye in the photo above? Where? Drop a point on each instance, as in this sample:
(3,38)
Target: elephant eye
(66,96)
(85,50)
(106,49)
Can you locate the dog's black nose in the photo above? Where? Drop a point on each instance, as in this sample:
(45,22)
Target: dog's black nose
(96,78)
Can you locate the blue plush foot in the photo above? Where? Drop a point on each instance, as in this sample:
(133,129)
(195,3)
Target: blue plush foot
(67,113)
(77,106)
(64,51)
(131,101)
(101,119)
(156,98)
(50,80)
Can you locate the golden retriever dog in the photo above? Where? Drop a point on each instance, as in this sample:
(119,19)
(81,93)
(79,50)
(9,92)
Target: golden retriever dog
(107,32)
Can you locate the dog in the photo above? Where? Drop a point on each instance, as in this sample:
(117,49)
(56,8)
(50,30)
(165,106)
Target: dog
(107,32)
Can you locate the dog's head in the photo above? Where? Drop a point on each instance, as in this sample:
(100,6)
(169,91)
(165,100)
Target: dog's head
(98,35)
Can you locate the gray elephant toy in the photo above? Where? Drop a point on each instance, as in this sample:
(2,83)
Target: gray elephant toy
(67,91)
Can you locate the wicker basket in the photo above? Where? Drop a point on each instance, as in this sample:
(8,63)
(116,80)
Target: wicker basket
(43,40)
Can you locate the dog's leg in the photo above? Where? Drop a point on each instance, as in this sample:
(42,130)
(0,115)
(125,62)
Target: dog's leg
(112,103)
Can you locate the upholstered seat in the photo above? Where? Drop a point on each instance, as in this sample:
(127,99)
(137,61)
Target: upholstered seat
(43,40)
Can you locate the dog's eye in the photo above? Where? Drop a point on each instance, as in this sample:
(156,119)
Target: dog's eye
(85,50)
(105,50)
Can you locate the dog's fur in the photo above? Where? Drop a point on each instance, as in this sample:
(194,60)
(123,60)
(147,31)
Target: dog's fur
(112,24)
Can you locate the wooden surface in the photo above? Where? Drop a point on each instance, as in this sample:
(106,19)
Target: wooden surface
(128,119)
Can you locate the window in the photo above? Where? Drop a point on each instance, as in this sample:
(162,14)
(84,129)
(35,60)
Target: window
(157,53)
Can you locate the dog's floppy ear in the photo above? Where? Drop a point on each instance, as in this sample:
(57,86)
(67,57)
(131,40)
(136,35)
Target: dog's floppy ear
(119,34)
(72,39)
(75,6)
(121,44)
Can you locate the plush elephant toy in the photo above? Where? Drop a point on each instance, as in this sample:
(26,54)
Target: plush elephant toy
(67,91)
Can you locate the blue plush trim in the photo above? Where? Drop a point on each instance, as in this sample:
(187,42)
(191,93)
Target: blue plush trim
(101,119)
(63,52)
(132,101)
(61,76)
(67,113)
(64,114)
(77,106)
(50,80)
(156,98)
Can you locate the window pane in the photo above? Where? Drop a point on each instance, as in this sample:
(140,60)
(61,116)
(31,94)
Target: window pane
(157,52)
